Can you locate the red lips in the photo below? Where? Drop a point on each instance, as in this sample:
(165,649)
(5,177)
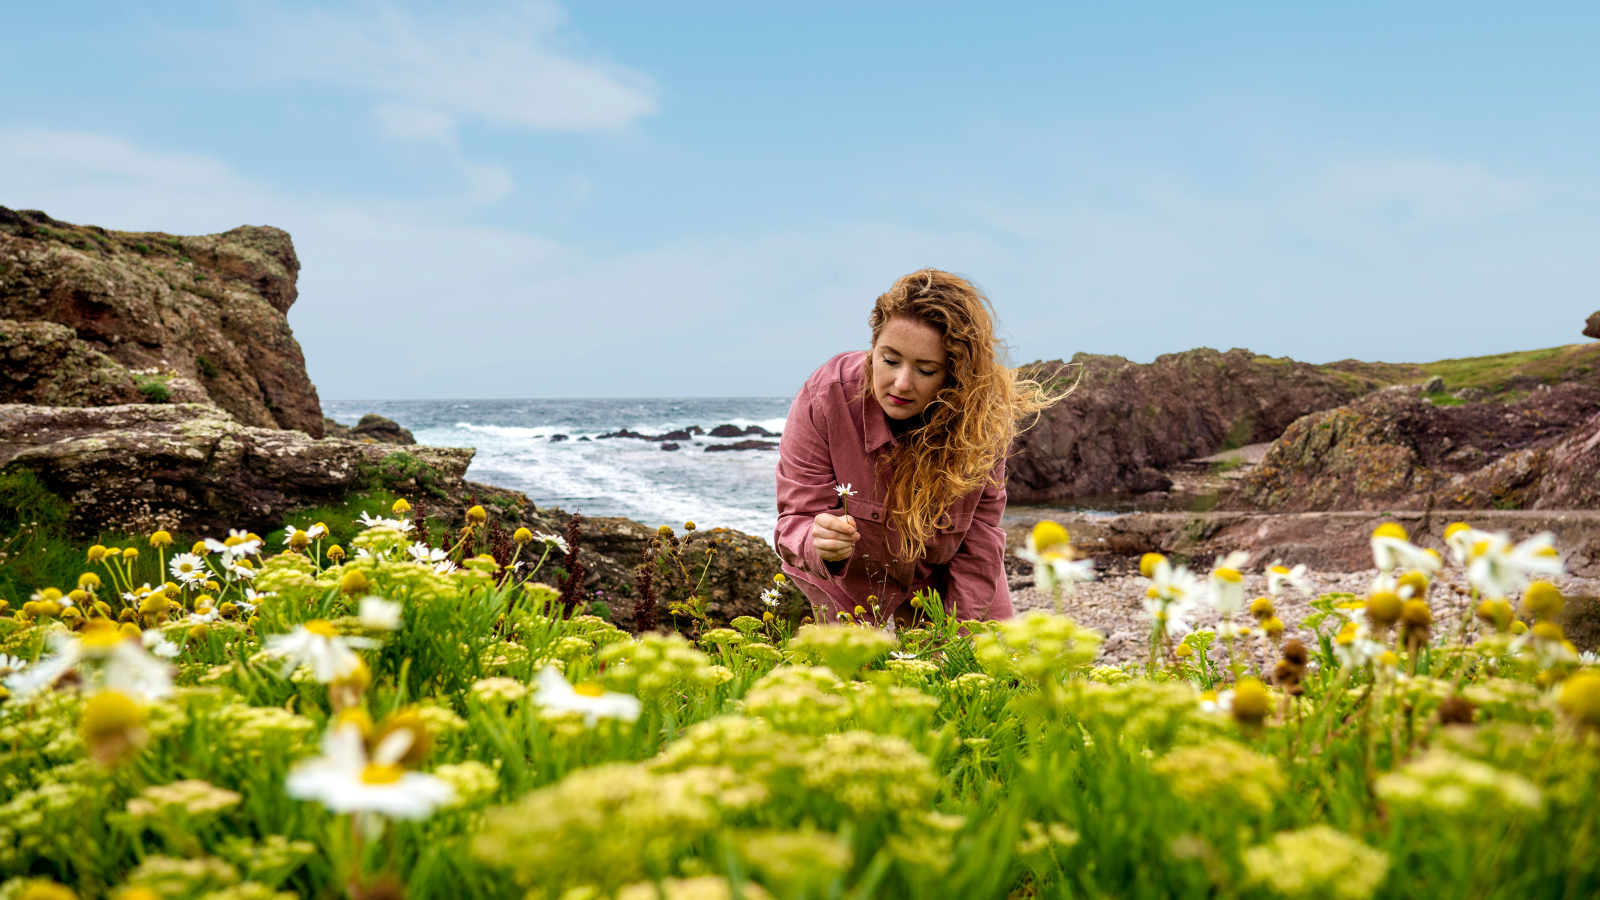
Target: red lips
(897,401)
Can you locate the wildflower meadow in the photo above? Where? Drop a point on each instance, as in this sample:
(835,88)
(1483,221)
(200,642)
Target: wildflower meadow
(402,718)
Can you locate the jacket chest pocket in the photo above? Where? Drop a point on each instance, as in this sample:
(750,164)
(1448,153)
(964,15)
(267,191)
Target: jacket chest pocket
(949,531)
(869,519)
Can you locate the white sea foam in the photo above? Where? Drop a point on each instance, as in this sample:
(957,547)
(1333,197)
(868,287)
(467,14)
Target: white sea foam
(614,476)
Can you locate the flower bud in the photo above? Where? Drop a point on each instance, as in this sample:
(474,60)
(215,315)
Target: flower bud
(477,515)
(1384,608)
(522,536)
(1543,599)
(336,552)
(354,582)
(1184,651)
(161,539)
(400,507)
(88,580)
(1251,702)
(1580,698)
(688,526)
(1261,608)
(97,553)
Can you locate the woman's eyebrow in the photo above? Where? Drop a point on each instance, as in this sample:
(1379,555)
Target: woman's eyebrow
(931,362)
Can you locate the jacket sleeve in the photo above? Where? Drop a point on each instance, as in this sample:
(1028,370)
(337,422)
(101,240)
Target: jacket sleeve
(806,482)
(978,570)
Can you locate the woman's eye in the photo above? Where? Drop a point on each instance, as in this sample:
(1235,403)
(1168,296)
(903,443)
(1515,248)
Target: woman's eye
(929,374)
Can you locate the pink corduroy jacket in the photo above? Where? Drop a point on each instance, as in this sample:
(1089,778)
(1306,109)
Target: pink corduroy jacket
(836,436)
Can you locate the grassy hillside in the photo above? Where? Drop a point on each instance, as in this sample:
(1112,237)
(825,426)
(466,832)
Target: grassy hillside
(1501,376)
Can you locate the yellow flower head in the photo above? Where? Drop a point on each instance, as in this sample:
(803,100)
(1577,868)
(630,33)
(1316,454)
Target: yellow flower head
(522,536)
(1496,612)
(354,582)
(1580,698)
(1251,701)
(161,539)
(97,553)
(1455,528)
(1148,563)
(1261,608)
(1184,651)
(688,526)
(1416,580)
(400,507)
(1519,627)
(88,580)
(1543,599)
(780,578)
(1384,608)
(1048,535)
(336,552)
(109,714)
(1391,530)
(199,548)
(477,515)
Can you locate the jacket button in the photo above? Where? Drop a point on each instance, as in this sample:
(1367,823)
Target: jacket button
(874,515)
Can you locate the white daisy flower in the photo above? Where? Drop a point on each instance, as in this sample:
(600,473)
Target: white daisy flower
(444,567)
(1053,565)
(1392,548)
(1497,568)
(316,645)
(378,614)
(595,703)
(556,539)
(843,490)
(770,597)
(422,553)
(11,665)
(401,525)
(316,531)
(104,659)
(1280,575)
(157,644)
(237,545)
(1213,702)
(1173,584)
(345,780)
(1172,616)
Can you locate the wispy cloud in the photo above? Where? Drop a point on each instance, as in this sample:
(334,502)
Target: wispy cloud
(510,68)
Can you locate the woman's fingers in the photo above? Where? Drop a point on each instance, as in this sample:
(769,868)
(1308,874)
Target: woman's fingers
(834,537)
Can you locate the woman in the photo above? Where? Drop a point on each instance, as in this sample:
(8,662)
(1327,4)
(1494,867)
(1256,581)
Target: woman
(917,429)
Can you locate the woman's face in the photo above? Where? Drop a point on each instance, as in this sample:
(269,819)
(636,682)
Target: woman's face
(908,366)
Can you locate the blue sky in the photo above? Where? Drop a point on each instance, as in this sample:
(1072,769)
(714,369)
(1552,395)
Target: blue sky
(651,199)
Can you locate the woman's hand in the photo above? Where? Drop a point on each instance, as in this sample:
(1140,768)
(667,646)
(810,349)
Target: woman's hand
(834,536)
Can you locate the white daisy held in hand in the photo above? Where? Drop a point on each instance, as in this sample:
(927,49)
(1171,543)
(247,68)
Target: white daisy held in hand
(346,780)
(594,702)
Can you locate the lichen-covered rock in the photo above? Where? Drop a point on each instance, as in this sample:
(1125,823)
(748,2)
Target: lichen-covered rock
(1126,419)
(209,310)
(45,363)
(1394,449)
(192,466)
(378,429)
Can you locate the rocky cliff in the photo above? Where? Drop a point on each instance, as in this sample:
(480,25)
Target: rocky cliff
(1126,422)
(90,317)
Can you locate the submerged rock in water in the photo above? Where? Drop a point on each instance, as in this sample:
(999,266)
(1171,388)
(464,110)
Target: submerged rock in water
(374,427)
(743,445)
(669,446)
(557,438)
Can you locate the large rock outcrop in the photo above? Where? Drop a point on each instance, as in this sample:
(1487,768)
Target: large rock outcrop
(1127,421)
(208,312)
(1396,449)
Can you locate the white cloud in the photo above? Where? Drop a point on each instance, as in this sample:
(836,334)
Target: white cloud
(506,69)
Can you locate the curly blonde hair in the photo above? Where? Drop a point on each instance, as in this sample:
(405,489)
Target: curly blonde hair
(968,427)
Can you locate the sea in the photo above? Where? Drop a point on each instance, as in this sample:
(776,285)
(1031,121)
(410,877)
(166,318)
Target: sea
(624,476)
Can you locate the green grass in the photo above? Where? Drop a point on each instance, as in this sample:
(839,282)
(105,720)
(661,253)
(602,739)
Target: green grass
(1503,377)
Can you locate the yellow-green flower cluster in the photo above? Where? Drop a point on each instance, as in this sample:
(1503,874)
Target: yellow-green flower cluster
(1318,863)
(1223,773)
(1037,646)
(842,648)
(656,665)
(1444,784)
